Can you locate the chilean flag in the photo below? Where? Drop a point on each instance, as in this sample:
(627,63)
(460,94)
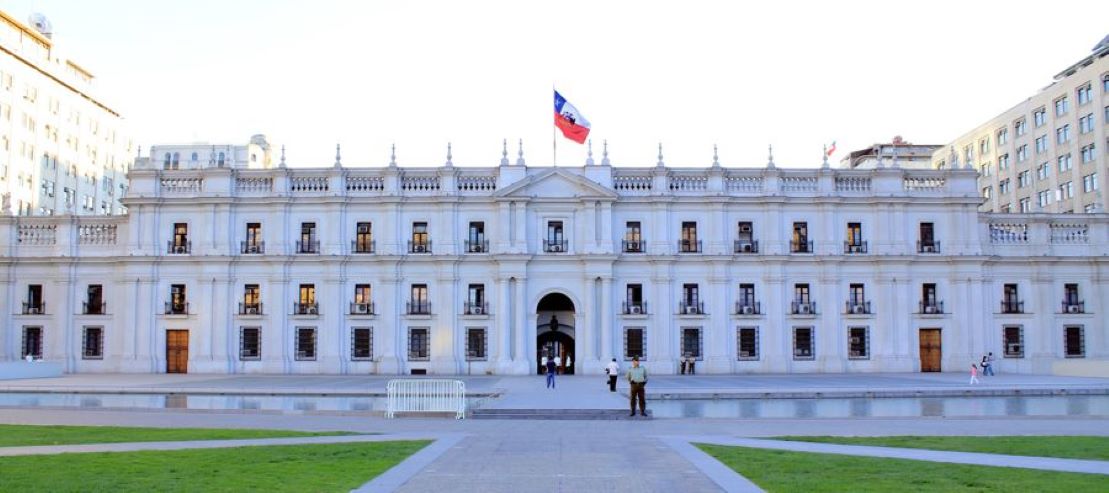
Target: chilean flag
(574,126)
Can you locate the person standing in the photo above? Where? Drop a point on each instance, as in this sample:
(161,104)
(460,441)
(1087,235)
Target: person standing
(613,371)
(551,367)
(692,365)
(985,365)
(989,364)
(637,378)
(973,374)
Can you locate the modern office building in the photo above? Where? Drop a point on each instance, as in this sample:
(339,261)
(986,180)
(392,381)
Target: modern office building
(63,150)
(233,268)
(1049,152)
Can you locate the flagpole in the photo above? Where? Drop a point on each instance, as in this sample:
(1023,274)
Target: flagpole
(554,137)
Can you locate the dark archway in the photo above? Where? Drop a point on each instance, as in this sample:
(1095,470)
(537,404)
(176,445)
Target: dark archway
(554,337)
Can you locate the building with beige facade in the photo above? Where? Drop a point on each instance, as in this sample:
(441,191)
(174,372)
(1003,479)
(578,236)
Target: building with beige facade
(62,149)
(896,153)
(1049,152)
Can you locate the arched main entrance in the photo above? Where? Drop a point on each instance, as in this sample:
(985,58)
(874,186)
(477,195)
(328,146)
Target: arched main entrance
(555,333)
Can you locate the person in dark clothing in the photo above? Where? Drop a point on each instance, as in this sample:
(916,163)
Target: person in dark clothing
(551,367)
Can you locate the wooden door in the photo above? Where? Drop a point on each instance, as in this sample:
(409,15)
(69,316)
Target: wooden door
(931,350)
(177,351)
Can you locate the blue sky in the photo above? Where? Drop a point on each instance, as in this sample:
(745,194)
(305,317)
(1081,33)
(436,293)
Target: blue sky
(688,74)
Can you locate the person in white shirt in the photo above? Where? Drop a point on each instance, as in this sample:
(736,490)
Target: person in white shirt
(613,371)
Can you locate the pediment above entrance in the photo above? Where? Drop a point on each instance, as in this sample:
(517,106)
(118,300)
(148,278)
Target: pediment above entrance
(556,183)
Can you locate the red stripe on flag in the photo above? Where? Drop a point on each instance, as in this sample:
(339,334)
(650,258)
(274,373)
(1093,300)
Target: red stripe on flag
(570,130)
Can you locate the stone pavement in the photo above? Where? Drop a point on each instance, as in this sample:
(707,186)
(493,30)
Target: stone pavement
(87,448)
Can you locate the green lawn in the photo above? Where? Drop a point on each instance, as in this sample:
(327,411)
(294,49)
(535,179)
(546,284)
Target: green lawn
(297,468)
(776,470)
(1068,447)
(25,435)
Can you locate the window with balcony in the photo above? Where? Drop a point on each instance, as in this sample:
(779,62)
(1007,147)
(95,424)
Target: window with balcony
(419,344)
(1039,117)
(92,342)
(475,344)
(1010,300)
(363,238)
(421,240)
(691,303)
(361,344)
(475,300)
(180,243)
(475,238)
(689,242)
(802,302)
(633,238)
(32,342)
(556,239)
(692,342)
(858,343)
(178,303)
(94,300)
(928,242)
(252,300)
(306,302)
(856,300)
(1071,302)
(1013,339)
(419,303)
(800,242)
(635,343)
(803,347)
(308,242)
(633,300)
(305,344)
(854,243)
(746,304)
(929,301)
(363,303)
(747,344)
(745,238)
(254,243)
(250,343)
(1074,341)
(34,304)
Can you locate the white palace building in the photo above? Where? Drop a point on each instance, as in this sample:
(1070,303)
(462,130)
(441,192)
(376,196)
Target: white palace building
(235,263)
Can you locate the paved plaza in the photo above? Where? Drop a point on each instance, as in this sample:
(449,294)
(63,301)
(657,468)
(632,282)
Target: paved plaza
(545,455)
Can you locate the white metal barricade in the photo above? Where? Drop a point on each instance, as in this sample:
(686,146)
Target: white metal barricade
(420,395)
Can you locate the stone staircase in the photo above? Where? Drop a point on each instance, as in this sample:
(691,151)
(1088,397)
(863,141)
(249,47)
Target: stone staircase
(553,414)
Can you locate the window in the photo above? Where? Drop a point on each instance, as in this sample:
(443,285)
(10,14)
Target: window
(250,343)
(800,242)
(1085,94)
(1088,154)
(475,300)
(419,344)
(1061,106)
(857,293)
(1003,186)
(32,342)
(177,300)
(1025,204)
(858,343)
(633,303)
(220,160)
(48,188)
(1086,124)
(94,300)
(556,240)
(1066,191)
(1041,144)
(746,304)
(34,304)
(1070,295)
(689,242)
(692,342)
(254,243)
(987,192)
(983,146)
(180,243)
(475,344)
(635,343)
(928,243)
(747,343)
(803,343)
(307,242)
(361,343)
(1104,84)
(1089,183)
(855,238)
(1062,134)
(363,300)
(745,239)
(193,158)
(929,302)
(1074,341)
(1013,337)
(307,301)
(363,238)
(1010,301)
(985,169)
(92,343)
(691,300)
(1020,127)
(968,151)
(1002,137)
(1064,162)
(419,304)
(252,300)
(305,344)
(1022,153)
(633,237)
(1039,117)
(475,238)
(1042,171)
(1024,178)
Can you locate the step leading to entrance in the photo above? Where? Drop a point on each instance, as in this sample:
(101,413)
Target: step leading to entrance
(552,414)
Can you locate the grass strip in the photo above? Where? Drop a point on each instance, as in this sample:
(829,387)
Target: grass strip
(1066,447)
(294,468)
(778,470)
(28,435)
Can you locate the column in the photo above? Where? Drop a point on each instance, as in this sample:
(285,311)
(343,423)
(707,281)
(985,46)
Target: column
(389,335)
(716,324)
(503,316)
(607,340)
(520,358)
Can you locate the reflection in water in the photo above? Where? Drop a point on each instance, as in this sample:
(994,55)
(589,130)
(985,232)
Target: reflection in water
(931,407)
(1095,406)
(177,401)
(90,402)
(1078,406)
(299,403)
(806,408)
(860,408)
(1016,406)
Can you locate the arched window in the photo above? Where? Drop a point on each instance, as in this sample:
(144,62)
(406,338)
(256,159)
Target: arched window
(194,157)
(219,161)
(167,159)
(176,158)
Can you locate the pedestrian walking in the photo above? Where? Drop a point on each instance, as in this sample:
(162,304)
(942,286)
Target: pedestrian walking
(551,367)
(985,365)
(637,379)
(973,374)
(989,370)
(613,371)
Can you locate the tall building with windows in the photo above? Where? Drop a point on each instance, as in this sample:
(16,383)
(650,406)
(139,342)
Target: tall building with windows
(62,148)
(1050,152)
(225,267)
